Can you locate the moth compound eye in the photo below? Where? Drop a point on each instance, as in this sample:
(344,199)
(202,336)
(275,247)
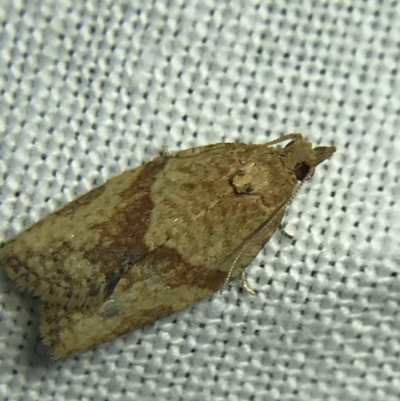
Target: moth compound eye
(301,170)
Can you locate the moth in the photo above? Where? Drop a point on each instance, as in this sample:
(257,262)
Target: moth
(156,239)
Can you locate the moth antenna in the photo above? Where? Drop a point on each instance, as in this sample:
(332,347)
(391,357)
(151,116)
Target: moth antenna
(265,225)
(284,138)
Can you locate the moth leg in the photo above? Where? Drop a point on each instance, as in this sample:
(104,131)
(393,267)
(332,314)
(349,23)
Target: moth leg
(246,285)
(285,233)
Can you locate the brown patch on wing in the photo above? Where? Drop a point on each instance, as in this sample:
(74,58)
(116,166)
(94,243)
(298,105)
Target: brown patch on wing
(83,200)
(72,261)
(121,245)
(170,268)
(178,272)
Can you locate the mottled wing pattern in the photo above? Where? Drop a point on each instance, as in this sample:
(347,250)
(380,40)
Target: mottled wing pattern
(156,239)
(190,250)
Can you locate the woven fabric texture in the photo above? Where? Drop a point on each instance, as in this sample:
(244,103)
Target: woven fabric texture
(92,88)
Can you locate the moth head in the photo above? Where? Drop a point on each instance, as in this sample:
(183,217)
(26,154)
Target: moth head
(302,158)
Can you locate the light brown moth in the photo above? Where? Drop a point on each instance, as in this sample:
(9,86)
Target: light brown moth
(156,239)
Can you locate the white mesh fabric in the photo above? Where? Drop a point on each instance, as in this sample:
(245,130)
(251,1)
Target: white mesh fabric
(90,89)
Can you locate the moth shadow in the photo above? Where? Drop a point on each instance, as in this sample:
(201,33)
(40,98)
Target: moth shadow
(24,310)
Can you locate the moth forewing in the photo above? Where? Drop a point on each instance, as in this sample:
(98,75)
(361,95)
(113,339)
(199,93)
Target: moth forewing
(156,239)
